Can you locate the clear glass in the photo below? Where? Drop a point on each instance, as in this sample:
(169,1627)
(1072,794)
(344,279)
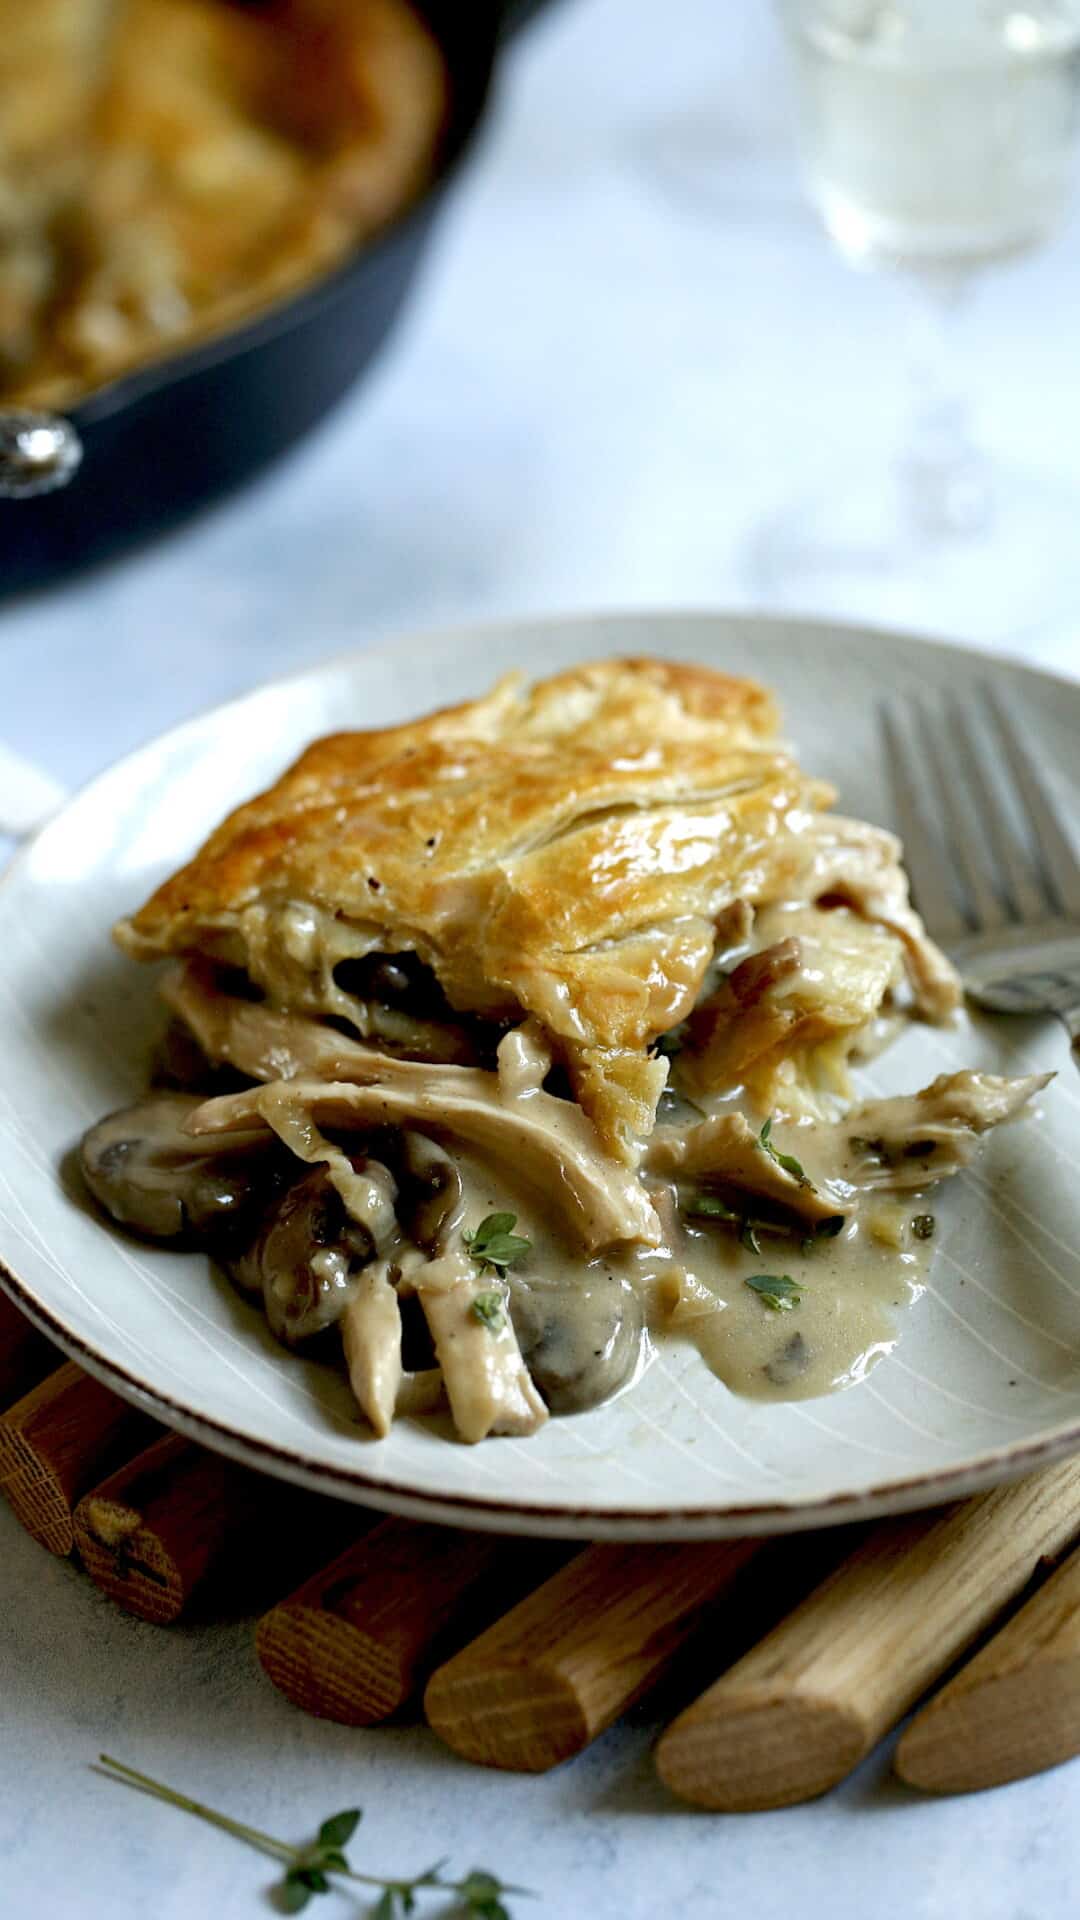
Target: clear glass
(938,139)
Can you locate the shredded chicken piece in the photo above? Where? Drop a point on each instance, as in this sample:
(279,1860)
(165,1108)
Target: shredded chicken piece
(487,1382)
(861,864)
(371,1337)
(920,1138)
(817,977)
(726,1151)
(524,1057)
(548,1141)
(732,927)
(551,1140)
(741,1021)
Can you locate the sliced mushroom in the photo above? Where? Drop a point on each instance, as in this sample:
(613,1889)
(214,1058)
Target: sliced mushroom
(430,1192)
(308,1259)
(147,1171)
(581,1344)
(788,1362)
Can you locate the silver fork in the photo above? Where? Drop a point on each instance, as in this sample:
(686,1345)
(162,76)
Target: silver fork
(995,870)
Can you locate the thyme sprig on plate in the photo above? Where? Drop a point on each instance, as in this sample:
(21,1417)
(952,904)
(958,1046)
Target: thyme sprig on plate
(702,1205)
(310,1870)
(777,1291)
(785,1160)
(489,1308)
(495,1244)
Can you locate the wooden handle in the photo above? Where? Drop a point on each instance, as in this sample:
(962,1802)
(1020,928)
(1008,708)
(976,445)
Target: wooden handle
(799,1711)
(26,1357)
(1014,1710)
(57,1442)
(552,1674)
(176,1521)
(149,1534)
(356,1641)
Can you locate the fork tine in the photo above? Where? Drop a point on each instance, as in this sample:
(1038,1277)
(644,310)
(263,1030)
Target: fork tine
(1057,852)
(965,840)
(1013,864)
(923,855)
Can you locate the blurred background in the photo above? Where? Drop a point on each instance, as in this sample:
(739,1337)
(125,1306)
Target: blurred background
(628,354)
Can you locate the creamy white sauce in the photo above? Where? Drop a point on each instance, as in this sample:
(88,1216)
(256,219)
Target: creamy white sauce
(853,1288)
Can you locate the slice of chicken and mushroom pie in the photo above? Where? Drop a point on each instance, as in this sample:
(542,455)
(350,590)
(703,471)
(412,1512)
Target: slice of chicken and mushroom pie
(512,1039)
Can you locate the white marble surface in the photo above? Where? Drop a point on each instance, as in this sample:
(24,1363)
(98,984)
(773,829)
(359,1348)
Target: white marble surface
(619,360)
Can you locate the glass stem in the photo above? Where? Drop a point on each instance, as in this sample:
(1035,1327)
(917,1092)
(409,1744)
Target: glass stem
(944,481)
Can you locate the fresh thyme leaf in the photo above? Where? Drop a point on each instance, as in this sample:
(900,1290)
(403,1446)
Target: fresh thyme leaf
(708,1206)
(339,1829)
(431,1877)
(923,1226)
(480,1893)
(292,1896)
(386,1909)
(777,1291)
(785,1160)
(748,1237)
(495,1244)
(311,1877)
(479,1885)
(332,1860)
(489,1308)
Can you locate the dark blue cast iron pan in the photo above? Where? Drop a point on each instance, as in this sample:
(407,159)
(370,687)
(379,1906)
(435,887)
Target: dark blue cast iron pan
(165,440)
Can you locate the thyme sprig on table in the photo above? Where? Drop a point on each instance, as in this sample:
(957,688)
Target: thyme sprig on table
(310,1870)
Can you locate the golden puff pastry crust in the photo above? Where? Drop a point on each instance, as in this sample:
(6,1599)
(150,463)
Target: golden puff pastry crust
(570,851)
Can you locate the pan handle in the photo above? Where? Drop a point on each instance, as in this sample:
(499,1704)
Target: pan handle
(39,452)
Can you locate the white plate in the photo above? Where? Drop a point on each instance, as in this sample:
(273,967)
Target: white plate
(986,1382)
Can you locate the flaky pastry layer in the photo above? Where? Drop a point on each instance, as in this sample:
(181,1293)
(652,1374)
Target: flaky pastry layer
(571,851)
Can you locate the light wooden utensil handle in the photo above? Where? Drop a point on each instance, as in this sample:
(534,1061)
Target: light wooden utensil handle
(355,1642)
(548,1677)
(26,1357)
(1014,1710)
(57,1442)
(799,1711)
(149,1535)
